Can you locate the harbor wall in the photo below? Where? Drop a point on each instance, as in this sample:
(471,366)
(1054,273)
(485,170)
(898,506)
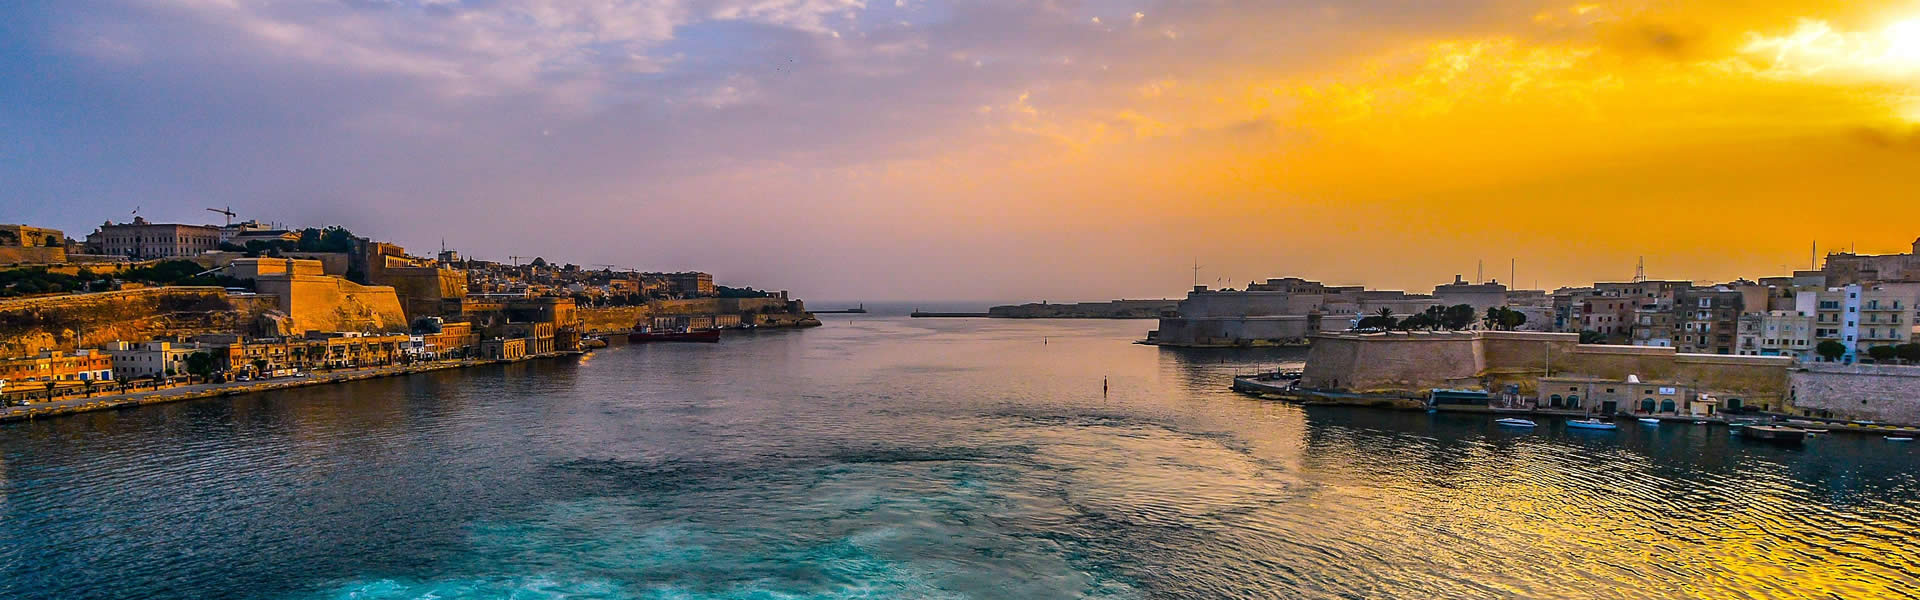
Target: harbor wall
(1237,331)
(1411,363)
(1885,393)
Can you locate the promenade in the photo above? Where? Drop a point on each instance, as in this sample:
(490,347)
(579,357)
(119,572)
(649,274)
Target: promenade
(67,406)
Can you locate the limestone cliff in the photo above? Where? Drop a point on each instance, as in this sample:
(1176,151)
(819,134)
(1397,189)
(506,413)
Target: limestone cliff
(30,325)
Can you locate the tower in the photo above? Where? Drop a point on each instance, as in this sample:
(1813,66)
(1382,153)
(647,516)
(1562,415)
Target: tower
(1640,270)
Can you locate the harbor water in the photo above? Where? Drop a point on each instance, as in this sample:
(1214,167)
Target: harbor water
(887,457)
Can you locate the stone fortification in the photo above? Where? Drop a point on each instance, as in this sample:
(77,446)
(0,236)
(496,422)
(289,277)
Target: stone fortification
(328,303)
(1885,393)
(1412,363)
(64,323)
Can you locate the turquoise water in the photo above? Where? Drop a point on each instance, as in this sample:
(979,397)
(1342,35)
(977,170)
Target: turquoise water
(883,457)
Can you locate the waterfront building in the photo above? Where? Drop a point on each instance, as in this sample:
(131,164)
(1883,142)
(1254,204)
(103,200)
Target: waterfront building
(1599,396)
(1859,317)
(56,366)
(1776,333)
(1707,319)
(1609,315)
(142,239)
(504,349)
(133,360)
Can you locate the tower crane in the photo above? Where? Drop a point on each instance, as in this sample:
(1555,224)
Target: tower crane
(228,211)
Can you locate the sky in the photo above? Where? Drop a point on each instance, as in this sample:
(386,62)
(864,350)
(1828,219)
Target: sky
(991,149)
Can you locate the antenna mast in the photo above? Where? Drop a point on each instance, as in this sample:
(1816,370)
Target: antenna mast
(1640,270)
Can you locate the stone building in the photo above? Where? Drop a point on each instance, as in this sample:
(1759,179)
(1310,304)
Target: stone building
(1706,320)
(1848,268)
(1776,333)
(32,245)
(132,360)
(56,366)
(141,239)
(1859,317)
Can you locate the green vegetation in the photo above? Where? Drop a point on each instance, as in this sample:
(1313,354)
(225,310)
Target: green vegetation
(1830,350)
(1908,352)
(745,292)
(1501,317)
(37,280)
(1883,354)
(1589,336)
(200,364)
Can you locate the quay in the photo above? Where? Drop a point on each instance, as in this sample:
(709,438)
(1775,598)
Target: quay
(234,388)
(1271,386)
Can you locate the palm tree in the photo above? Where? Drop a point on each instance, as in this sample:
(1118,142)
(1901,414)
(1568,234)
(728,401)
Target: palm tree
(1384,313)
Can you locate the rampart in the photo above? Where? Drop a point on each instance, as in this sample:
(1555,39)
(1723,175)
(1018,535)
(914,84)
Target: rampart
(1885,393)
(30,325)
(1411,363)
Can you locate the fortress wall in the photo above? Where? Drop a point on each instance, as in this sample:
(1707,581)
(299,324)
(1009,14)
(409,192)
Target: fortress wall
(65,323)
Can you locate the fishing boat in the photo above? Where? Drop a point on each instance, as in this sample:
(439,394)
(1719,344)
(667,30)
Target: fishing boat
(648,334)
(1649,421)
(1513,422)
(1774,433)
(1591,424)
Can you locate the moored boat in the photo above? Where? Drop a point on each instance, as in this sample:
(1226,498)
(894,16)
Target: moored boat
(1591,424)
(1899,438)
(1513,422)
(1774,433)
(1650,421)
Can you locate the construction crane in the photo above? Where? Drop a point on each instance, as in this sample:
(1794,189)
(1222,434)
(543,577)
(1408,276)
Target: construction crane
(516,260)
(228,211)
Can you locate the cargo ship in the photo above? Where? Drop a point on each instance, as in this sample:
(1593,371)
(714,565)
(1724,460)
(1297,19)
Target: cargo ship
(647,334)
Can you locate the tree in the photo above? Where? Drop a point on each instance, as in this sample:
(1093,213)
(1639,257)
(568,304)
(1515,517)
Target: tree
(88,383)
(200,364)
(1375,322)
(1589,336)
(1423,320)
(1908,352)
(1501,317)
(1831,350)
(1882,354)
(50,386)
(1458,316)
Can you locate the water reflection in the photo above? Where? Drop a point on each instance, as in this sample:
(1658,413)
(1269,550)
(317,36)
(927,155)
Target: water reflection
(890,457)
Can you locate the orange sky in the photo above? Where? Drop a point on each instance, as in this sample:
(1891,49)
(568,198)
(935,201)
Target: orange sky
(1004,149)
(1716,141)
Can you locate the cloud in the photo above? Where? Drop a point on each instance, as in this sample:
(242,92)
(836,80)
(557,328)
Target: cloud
(852,144)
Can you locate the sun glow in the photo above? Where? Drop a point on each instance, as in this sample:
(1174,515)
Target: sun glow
(1903,42)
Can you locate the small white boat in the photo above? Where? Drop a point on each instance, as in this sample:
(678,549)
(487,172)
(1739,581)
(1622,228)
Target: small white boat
(1650,421)
(1513,422)
(1899,438)
(1591,424)
(1699,422)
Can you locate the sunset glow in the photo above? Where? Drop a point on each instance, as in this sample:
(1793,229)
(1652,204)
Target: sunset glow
(1002,137)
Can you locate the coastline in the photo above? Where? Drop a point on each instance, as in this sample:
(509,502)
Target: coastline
(75,406)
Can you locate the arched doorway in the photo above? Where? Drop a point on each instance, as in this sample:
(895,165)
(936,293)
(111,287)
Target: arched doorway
(1666,406)
(1646,405)
(1733,405)
(1573,402)
(1554,401)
